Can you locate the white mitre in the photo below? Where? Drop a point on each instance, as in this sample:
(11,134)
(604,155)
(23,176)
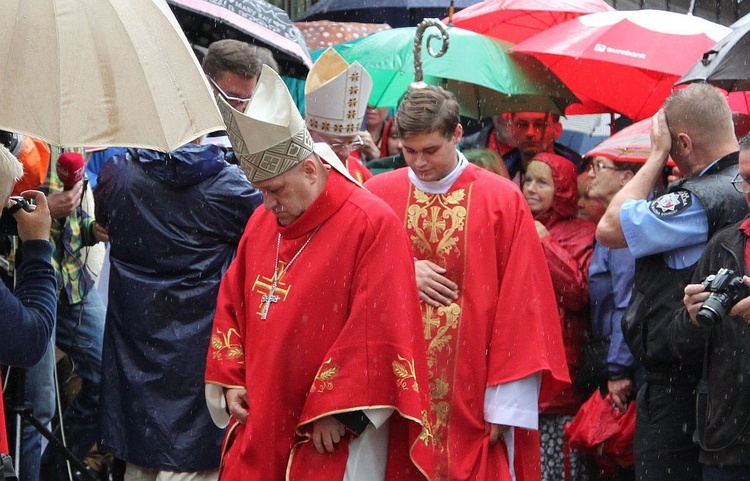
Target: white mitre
(336,95)
(270,137)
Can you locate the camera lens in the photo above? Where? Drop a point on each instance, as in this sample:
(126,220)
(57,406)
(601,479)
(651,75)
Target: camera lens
(713,309)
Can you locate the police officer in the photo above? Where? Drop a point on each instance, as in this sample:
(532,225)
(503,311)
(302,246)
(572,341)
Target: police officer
(667,237)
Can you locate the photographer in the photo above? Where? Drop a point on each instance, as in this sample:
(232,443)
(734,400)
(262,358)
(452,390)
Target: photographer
(723,412)
(28,313)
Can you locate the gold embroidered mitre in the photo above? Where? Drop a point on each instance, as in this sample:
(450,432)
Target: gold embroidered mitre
(336,95)
(270,137)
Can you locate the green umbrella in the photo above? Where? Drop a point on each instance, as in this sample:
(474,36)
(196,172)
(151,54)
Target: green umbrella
(485,79)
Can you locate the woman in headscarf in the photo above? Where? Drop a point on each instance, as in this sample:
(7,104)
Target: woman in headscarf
(550,188)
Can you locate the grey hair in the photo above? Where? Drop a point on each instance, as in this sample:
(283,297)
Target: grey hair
(10,171)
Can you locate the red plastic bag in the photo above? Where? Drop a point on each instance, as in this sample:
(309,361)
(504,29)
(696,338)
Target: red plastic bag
(603,432)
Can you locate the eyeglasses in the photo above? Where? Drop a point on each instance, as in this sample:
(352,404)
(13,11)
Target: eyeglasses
(355,144)
(537,125)
(229,98)
(599,166)
(741,184)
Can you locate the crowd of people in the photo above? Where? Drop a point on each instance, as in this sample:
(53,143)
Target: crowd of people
(368,293)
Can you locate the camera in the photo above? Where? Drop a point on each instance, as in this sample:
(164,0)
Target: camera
(726,289)
(8,225)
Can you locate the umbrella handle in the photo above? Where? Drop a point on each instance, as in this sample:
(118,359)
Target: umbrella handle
(421,27)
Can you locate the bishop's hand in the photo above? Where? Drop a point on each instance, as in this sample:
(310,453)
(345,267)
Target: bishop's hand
(327,432)
(434,288)
(237,403)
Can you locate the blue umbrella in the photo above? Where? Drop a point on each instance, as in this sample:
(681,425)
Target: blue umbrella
(396,13)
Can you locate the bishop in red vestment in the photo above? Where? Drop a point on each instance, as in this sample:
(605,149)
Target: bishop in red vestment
(317,317)
(500,323)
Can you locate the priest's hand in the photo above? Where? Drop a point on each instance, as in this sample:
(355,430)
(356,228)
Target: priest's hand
(497,431)
(237,403)
(327,432)
(434,288)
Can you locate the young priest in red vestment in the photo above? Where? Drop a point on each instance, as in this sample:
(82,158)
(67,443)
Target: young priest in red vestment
(317,350)
(488,306)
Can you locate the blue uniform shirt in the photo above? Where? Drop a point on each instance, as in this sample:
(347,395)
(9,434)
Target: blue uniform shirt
(680,236)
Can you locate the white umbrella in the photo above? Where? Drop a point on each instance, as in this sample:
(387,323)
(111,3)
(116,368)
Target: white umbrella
(101,73)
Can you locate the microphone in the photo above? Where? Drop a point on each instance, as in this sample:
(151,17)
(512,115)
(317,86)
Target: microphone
(70,168)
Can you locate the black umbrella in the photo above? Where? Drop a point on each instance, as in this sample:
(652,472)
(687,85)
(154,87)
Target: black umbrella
(253,21)
(396,13)
(727,64)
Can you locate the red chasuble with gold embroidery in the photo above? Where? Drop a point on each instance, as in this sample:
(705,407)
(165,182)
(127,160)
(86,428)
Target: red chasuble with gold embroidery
(342,333)
(357,168)
(503,327)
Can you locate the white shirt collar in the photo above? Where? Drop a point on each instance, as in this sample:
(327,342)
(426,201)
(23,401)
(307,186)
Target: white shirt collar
(443,185)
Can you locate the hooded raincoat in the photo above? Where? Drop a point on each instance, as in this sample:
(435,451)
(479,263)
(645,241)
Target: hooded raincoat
(568,248)
(174,222)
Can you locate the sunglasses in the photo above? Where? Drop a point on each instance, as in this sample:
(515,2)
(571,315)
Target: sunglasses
(229,98)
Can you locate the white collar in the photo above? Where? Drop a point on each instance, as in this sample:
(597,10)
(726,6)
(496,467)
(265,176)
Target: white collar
(443,185)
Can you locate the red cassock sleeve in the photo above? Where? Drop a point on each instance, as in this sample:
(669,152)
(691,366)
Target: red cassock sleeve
(526,301)
(225,365)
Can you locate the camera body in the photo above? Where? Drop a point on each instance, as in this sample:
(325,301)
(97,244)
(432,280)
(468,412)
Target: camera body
(8,225)
(726,289)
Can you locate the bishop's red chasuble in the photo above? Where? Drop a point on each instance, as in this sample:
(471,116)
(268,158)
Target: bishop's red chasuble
(341,333)
(357,168)
(503,327)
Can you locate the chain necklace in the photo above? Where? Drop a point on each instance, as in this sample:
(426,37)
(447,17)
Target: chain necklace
(271,297)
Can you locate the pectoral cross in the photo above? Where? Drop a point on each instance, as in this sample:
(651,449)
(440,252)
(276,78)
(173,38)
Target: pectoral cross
(267,300)
(269,287)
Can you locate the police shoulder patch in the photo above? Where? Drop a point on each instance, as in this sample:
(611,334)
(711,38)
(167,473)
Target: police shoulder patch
(672,203)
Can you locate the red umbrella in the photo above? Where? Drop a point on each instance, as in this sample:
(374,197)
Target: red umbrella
(517,20)
(631,144)
(625,61)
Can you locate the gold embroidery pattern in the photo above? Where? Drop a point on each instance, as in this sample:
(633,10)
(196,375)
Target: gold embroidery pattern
(405,372)
(426,435)
(434,223)
(263,284)
(221,342)
(435,220)
(324,379)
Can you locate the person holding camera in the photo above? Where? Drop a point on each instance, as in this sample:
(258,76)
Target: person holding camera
(711,322)
(28,311)
(667,236)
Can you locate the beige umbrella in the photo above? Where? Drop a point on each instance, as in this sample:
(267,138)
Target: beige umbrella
(101,73)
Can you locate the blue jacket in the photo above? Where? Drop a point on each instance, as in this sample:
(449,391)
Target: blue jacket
(611,275)
(28,316)
(174,222)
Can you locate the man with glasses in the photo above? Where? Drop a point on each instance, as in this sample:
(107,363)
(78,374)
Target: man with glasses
(724,419)
(336,96)
(232,68)
(611,273)
(535,132)
(667,237)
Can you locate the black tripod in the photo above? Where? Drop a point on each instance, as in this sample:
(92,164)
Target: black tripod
(21,412)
